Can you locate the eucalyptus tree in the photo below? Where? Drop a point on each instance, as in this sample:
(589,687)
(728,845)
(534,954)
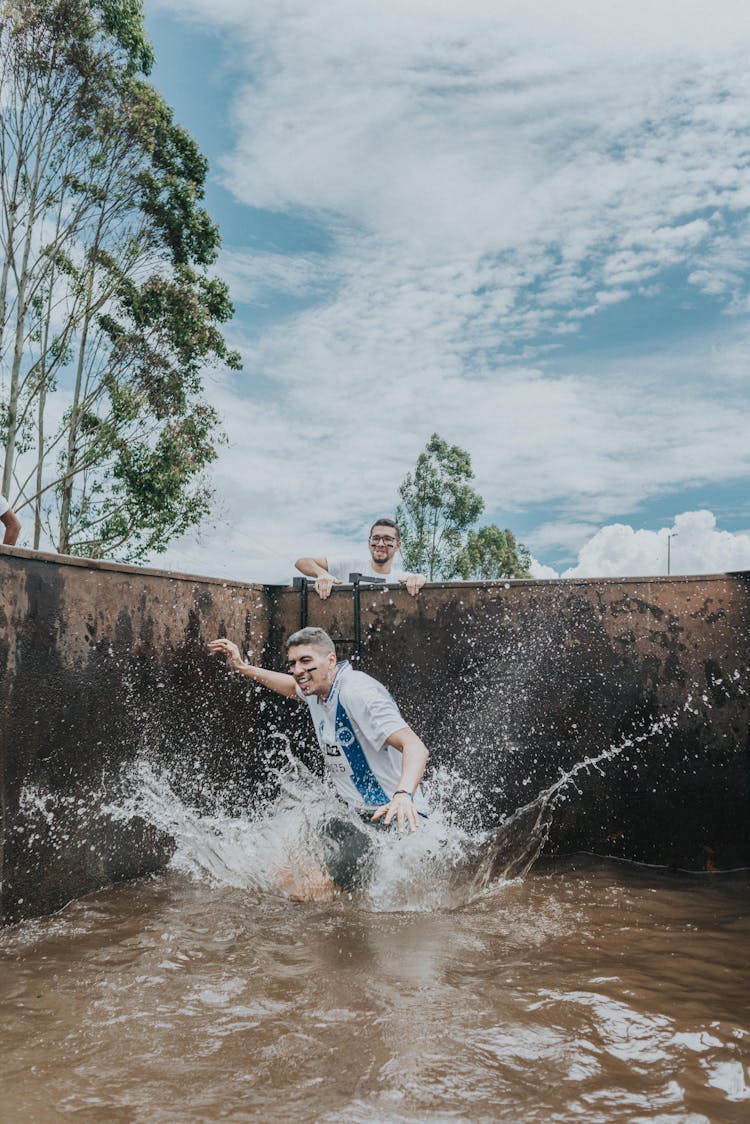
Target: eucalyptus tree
(44,90)
(105,287)
(489,554)
(437,508)
(138,432)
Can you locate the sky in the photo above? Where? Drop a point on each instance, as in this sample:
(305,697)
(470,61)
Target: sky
(525,227)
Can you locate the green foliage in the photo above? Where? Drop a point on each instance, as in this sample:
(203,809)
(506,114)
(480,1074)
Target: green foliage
(158,490)
(157,436)
(172,184)
(436,515)
(118,301)
(490,553)
(438,506)
(123,21)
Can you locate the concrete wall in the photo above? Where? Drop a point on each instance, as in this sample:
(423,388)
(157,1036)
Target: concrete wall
(507,682)
(511,683)
(99,663)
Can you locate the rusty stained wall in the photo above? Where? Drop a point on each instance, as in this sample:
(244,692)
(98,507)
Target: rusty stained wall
(509,683)
(101,665)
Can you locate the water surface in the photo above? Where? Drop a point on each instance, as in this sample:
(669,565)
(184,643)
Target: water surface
(585,991)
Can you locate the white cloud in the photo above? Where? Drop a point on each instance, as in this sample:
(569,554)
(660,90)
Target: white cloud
(693,544)
(539,570)
(493,134)
(354,409)
(253,277)
(491,178)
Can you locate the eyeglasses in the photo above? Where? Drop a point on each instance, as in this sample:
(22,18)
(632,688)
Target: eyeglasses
(388,540)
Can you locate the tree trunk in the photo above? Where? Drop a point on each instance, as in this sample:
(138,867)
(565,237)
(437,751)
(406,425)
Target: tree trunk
(22,282)
(63,544)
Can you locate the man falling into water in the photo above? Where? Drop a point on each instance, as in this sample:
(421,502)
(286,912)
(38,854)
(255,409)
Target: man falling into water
(375,761)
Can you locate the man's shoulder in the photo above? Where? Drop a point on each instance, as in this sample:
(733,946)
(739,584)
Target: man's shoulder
(359,685)
(358,680)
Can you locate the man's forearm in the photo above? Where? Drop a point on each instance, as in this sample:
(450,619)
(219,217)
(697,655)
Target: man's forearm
(414,757)
(12,526)
(275,680)
(312,567)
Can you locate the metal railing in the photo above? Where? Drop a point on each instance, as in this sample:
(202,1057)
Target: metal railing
(356,581)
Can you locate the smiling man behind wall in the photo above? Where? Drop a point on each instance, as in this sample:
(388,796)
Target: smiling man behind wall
(384,543)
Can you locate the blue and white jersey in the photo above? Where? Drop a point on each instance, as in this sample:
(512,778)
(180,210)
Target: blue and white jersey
(352,726)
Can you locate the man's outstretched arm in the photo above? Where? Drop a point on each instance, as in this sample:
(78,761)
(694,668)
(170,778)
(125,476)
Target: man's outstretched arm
(312,567)
(318,568)
(275,680)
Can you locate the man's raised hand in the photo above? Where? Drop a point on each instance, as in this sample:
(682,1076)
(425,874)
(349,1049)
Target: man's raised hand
(229,650)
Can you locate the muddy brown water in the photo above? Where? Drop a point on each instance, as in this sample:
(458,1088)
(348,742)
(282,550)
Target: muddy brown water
(586,991)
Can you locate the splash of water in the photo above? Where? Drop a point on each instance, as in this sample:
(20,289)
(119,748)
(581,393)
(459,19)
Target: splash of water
(277,845)
(518,842)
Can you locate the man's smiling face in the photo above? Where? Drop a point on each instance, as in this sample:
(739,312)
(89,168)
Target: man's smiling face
(383,543)
(313,670)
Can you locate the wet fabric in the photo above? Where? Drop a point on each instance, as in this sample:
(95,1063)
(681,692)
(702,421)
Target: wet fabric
(347,847)
(352,726)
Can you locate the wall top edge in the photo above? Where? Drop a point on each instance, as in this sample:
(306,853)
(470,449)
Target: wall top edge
(175,575)
(123,568)
(506,583)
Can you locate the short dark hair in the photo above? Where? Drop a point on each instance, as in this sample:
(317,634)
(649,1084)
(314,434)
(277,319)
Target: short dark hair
(386,523)
(315,637)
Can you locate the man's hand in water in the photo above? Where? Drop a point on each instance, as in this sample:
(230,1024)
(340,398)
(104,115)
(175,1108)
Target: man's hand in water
(402,807)
(228,649)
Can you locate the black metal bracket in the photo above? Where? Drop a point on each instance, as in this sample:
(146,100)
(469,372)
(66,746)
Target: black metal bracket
(301,584)
(356,581)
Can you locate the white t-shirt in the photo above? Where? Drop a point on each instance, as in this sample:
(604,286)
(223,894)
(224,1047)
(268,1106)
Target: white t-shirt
(343,567)
(352,726)
(5,506)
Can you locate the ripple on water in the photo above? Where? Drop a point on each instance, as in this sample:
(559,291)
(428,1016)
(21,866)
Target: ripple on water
(587,990)
(175,999)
